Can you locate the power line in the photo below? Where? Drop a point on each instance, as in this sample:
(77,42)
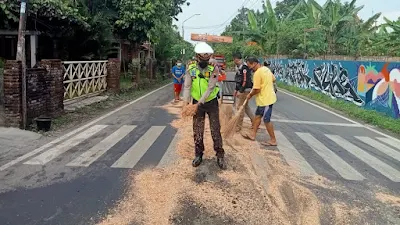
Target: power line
(245,2)
(205,27)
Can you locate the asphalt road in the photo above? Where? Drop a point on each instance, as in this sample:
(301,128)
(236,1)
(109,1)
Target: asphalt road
(76,177)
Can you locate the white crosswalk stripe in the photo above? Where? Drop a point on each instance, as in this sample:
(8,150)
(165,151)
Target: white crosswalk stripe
(338,164)
(389,141)
(53,153)
(135,153)
(375,163)
(170,154)
(380,147)
(293,157)
(289,149)
(102,147)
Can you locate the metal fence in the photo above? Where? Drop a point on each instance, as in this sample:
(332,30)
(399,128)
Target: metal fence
(84,78)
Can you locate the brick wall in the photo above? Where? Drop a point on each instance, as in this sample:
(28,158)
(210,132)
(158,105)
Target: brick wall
(37,93)
(12,93)
(44,88)
(113,75)
(56,73)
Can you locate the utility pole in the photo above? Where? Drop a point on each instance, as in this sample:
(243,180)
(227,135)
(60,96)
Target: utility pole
(21,57)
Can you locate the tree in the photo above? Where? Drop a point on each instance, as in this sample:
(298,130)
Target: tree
(283,8)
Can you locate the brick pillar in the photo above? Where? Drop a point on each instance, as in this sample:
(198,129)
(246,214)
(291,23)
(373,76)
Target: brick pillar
(55,73)
(13,93)
(113,75)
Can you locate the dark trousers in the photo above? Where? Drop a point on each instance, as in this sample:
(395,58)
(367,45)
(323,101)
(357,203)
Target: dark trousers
(211,108)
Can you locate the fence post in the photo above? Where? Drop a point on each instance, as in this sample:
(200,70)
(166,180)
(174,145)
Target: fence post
(13,93)
(55,70)
(113,75)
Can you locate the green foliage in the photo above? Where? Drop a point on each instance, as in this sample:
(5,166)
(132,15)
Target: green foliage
(358,113)
(93,26)
(299,27)
(56,10)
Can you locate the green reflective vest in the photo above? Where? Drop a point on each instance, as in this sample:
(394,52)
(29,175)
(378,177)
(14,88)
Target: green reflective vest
(199,84)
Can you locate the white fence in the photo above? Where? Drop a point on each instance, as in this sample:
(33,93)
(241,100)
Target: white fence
(84,78)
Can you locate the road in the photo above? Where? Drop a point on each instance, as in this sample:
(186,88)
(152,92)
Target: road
(76,177)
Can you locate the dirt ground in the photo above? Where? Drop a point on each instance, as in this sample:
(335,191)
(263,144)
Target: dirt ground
(257,188)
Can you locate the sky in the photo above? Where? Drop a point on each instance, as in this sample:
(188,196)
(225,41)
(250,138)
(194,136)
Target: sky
(216,14)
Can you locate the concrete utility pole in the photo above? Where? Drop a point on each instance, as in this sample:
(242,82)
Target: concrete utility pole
(21,57)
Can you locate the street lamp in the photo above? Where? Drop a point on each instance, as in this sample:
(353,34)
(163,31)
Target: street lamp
(183,29)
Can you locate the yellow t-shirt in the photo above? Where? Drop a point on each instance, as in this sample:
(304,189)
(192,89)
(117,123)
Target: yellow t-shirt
(263,79)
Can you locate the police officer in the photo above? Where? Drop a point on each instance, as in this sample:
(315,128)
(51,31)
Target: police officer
(200,84)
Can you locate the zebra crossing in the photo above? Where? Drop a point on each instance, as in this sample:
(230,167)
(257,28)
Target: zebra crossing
(385,150)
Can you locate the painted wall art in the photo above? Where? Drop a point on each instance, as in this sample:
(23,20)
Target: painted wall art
(374,85)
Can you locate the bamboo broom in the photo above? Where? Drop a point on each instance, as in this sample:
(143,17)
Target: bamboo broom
(230,128)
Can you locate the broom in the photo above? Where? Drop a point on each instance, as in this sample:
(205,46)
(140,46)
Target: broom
(230,128)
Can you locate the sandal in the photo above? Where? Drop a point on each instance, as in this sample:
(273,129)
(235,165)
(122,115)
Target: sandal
(267,144)
(247,136)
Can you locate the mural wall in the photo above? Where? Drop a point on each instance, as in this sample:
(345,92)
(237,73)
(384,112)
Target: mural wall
(374,85)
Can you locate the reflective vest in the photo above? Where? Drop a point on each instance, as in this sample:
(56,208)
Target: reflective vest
(199,84)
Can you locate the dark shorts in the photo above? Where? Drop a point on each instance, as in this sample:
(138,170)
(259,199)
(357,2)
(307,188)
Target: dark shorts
(265,112)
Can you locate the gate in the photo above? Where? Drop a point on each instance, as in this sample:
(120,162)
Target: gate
(84,78)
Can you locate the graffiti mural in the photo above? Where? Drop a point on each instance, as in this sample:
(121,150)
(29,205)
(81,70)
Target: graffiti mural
(381,89)
(333,80)
(374,85)
(294,73)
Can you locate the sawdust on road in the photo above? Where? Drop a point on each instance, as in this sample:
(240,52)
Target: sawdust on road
(181,194)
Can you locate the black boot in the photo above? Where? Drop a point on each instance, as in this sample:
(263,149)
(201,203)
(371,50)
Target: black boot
(197,161)
(221,162)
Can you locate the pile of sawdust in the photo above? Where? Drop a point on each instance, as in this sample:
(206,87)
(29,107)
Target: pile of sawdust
(173,108)
(189,110)
(388,198)
(225,114)
(345,214)
(238,193)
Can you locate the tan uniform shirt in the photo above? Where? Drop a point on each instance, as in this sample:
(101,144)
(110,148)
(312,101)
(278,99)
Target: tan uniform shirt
(211,85)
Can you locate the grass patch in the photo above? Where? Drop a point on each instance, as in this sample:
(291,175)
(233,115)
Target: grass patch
(76,118)
(125,82)
(371,117)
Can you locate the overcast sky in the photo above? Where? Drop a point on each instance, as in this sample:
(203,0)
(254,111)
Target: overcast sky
(216,14)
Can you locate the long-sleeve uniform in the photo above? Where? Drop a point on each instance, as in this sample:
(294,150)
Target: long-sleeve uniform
(200,84)
(243,86)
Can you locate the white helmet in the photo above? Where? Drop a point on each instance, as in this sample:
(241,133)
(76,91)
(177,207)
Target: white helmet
(203,51)
(203,48)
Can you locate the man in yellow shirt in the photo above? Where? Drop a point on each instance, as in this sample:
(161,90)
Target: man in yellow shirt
(263,89)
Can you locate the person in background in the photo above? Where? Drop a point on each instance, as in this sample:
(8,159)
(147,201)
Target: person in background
(263,89)
(243,87)
(178,72)
(268,64)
